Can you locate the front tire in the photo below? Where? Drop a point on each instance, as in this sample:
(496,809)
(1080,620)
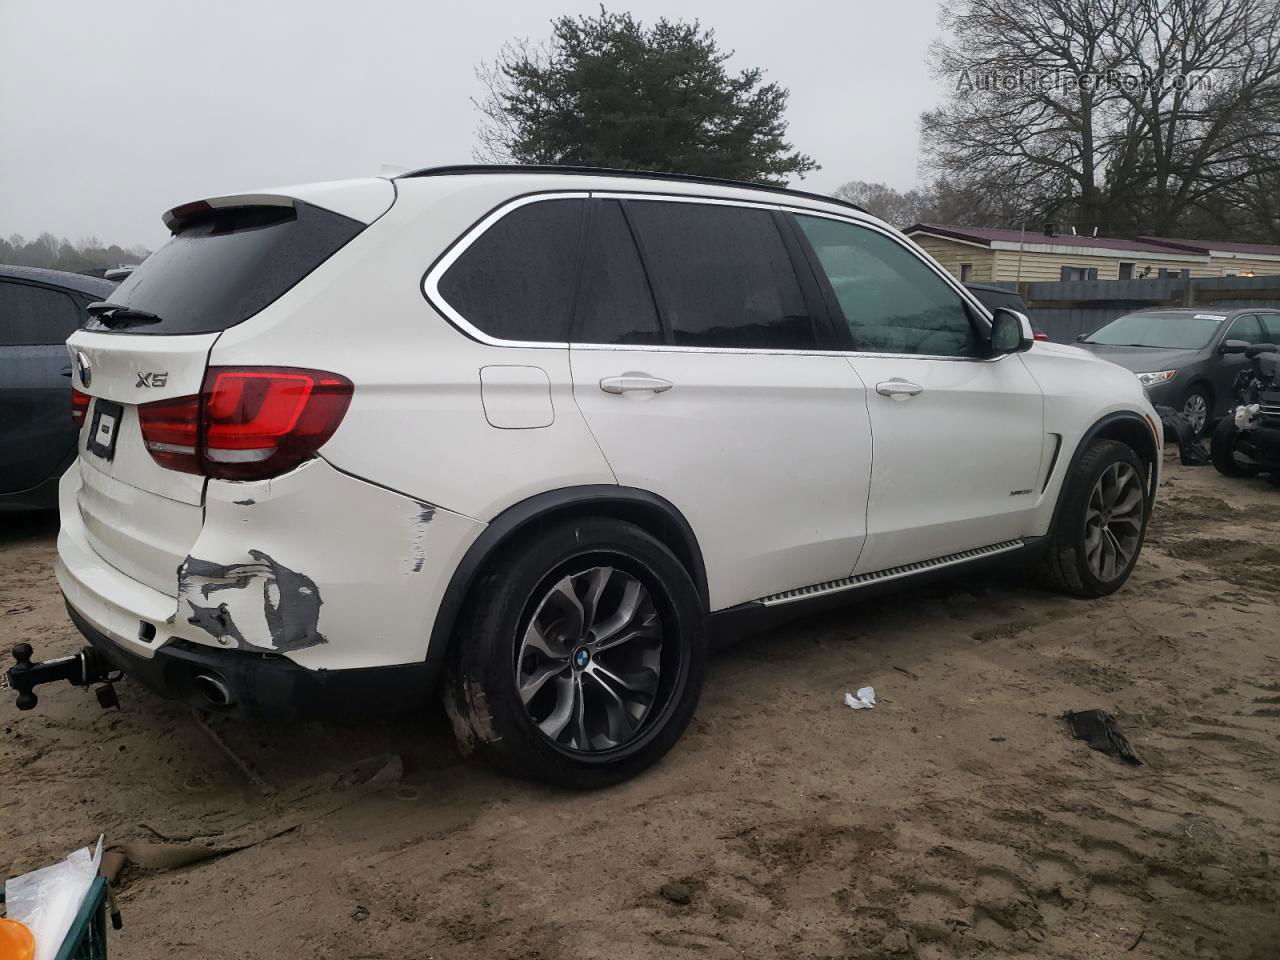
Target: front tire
(1197,408)
(1101,523)
(1222,450)
(580,658)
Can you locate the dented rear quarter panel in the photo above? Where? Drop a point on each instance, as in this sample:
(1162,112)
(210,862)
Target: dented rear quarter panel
(324,568)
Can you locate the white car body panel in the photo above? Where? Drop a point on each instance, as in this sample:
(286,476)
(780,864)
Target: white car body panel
(956,466)
(794,517)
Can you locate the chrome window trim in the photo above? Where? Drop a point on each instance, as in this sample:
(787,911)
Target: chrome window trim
(431,281)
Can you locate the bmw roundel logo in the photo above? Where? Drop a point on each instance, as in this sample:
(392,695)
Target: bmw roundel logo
(84,368)
(581,658)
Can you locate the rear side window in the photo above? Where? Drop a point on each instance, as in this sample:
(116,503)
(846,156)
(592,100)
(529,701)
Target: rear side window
(223,266)
(722,276)
(1271,326)
(35,315)
(892,301)
(516,280)
(615,304)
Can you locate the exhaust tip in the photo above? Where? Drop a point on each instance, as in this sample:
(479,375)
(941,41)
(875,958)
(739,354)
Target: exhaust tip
(213,689)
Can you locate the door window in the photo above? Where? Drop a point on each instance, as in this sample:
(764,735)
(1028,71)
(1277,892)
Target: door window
(892,301)
(35,315)
(1247,329)
(515,281)
(722,276)
(1271,327)
(615,304)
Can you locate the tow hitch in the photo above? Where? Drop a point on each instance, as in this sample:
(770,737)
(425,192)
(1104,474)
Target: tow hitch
(83,669)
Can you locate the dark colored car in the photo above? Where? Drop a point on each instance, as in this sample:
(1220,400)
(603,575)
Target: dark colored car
(992,297)
(39,309)
(1178,354)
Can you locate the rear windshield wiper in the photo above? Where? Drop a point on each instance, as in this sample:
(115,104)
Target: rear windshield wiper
(117,315)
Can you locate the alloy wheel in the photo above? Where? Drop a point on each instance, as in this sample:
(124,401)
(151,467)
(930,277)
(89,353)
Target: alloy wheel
(1196,410)
(1113,521)
(589,664)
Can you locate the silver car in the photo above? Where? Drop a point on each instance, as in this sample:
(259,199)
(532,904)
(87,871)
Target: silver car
(1181,355)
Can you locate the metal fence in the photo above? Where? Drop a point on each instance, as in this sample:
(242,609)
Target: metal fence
(1066,309)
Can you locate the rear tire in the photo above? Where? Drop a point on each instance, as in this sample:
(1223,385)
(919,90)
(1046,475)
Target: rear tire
(1101,523)
(1222,450)
(580,657)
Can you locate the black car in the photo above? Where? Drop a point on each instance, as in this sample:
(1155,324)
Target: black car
(1181,355)
(993,297)
(39,309)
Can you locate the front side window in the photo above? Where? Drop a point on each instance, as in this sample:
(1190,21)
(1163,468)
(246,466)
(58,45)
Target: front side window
(723,276)
(892,301)
(1246,329)
(515,281)
(35,315)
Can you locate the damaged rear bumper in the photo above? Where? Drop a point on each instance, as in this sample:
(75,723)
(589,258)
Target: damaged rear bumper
(298,592)
(260,684)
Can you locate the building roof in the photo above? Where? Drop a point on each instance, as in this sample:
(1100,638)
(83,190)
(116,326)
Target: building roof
(79,282)
(992,236)
(1218,246)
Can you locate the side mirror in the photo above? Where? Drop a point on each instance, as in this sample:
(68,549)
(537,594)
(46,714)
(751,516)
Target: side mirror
(1233,346)
(1011,331)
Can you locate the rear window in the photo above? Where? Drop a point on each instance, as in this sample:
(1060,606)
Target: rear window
(222,267)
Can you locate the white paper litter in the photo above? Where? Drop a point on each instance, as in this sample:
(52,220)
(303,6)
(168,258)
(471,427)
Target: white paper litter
(47,900)
(865,700)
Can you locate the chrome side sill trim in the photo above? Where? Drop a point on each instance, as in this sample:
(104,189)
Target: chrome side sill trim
(891,573)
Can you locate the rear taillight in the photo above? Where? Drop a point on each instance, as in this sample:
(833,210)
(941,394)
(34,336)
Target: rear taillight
(248,423)
(170,429)
(79,406)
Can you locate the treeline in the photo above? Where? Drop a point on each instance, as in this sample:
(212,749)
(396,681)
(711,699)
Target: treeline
(59,253)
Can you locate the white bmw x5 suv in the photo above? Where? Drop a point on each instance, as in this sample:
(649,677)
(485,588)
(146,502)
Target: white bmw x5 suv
(536,431)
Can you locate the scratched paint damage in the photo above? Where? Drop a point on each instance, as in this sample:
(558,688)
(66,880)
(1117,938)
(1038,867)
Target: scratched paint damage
(423,514)
(290,607)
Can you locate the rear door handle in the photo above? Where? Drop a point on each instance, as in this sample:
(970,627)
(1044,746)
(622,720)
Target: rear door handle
(898,389)
(635,381)
(65,371)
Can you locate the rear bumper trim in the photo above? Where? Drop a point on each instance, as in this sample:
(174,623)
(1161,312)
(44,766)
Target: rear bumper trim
(264,685)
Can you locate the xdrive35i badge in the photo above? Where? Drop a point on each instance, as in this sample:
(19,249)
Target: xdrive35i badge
(84,368)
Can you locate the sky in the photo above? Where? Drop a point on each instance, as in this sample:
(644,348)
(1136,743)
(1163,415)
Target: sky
(111,113)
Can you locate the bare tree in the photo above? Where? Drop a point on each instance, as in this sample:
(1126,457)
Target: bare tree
(1122,114)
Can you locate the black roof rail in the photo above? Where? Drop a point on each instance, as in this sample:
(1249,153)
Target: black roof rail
(460,168)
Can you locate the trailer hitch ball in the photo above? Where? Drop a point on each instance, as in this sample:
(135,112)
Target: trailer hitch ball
(82,669)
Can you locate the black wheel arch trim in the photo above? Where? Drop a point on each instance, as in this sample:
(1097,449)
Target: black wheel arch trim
(1152,452)
(521,517)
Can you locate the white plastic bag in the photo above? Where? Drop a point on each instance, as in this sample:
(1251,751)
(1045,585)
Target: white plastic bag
(865,700)
(47,900)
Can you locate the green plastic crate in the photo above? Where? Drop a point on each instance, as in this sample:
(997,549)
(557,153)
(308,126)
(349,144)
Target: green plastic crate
(87,938)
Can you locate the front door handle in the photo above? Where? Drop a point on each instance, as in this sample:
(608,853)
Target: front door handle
(635,382)
(898,389)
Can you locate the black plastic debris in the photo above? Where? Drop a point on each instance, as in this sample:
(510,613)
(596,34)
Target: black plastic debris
(1098,729)
(1192,450)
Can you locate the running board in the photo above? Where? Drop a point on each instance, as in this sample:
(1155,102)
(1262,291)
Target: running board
(892,573)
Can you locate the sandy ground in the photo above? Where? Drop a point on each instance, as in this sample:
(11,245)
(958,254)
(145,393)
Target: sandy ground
(957,819)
